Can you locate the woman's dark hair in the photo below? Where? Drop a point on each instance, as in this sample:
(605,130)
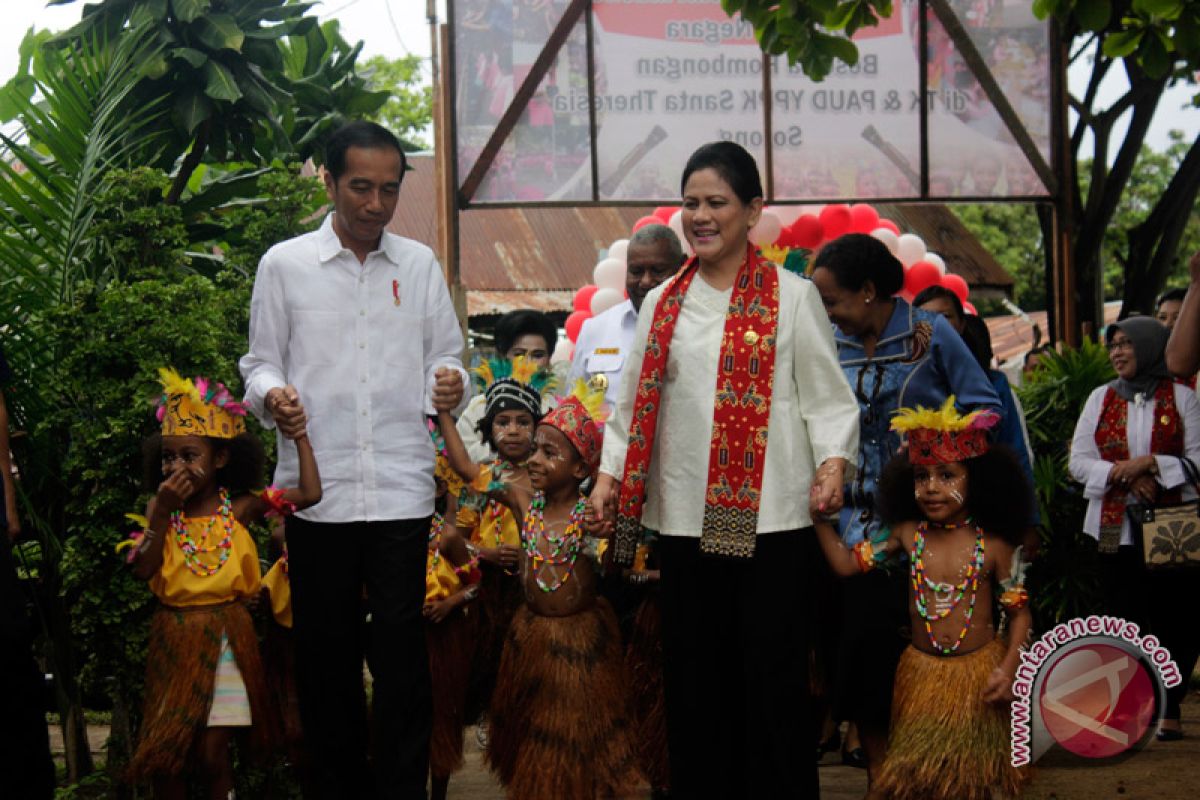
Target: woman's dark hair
(366,135)
(731,161)
(998,496)
(245,471)
(515,324)
(857,258)
(1171,294)
(931,293)
(979,340)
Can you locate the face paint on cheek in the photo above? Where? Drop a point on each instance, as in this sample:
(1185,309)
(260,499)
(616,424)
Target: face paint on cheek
(958,498)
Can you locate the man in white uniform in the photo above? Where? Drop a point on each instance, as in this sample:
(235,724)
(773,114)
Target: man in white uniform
(654,255)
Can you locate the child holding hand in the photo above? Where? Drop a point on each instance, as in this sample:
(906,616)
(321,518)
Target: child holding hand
(204,677)
(957,508)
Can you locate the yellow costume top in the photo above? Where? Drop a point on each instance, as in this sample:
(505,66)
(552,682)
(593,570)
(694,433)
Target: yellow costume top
(184,581)
(279,587)
(494,525)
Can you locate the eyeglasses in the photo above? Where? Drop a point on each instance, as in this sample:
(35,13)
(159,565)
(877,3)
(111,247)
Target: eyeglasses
(1124,344)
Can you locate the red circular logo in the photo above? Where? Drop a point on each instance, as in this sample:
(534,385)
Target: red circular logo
(1097,700)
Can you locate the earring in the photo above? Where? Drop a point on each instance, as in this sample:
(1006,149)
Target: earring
(867,301)
(917,494)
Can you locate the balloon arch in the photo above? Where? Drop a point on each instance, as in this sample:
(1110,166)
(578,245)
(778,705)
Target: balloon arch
(809,231)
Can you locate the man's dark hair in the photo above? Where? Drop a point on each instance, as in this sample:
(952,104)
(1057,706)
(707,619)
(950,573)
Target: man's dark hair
(515,324)
(366,135)
(1169,295)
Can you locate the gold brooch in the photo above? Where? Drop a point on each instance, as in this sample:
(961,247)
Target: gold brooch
(751,338)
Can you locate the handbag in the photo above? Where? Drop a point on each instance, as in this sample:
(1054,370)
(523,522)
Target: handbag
(1167,537)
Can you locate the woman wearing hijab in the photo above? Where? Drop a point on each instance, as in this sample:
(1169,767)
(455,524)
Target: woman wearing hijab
(731,420)
(1127,448)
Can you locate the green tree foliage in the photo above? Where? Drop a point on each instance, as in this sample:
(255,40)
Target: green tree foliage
(1012,234)
(1063,580)
(248,80)
(408,113)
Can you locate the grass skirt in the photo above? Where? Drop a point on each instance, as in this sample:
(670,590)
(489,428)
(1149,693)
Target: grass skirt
(449,645)
(644,659)
(279,658)
(491,614)
(181,664)
(946,743)
(561,726)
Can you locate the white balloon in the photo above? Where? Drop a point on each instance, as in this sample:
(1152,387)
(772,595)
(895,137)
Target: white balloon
(609,274)
(890,240)
(562,351)
(676,224)
(604,299)
(936,260)
(910,249)
(618,249)
(767,229)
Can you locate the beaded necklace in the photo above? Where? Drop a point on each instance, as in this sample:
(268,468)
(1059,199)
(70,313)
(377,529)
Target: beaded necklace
(434,542)
(193,551)
(920,581)
(564,550)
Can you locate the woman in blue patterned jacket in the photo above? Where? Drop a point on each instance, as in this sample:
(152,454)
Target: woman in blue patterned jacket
(894,356)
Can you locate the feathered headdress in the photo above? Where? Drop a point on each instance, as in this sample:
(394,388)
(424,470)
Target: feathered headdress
(944,435)
(516,385)
(579,416)
(198,408)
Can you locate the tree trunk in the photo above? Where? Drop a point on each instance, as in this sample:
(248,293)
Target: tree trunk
(189,164)
(1105,190)
(1153,245)
(77,750)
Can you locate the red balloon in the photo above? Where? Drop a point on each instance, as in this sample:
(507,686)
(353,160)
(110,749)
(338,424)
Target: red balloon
(583,297)
(956,284)
(664,213)
(836,220)
(574,323)
(970,309)
(644,221)
(863,218)
(887,223)
(807,231)
(920,276)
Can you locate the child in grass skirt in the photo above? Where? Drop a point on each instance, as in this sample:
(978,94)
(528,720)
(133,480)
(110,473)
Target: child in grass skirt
(204,676)
(957,507)
(561,721)
(514,393)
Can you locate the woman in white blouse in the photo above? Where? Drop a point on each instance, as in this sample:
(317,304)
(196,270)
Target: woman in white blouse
(732,418)
(1127,448)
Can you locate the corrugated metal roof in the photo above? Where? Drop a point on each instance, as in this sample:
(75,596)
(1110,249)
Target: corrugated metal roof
(1012,336)
(484,302)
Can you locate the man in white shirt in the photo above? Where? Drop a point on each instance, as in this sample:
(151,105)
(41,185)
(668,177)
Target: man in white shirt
(604,341)
(358,323)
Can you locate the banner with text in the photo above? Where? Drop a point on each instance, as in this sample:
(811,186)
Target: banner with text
(672,75)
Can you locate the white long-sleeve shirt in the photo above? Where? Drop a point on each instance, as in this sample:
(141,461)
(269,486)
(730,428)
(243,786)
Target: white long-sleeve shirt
(361,342)
(814,415)
(1090,469)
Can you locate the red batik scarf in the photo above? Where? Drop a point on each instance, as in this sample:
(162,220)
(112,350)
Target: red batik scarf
(1112,440)
(741,410)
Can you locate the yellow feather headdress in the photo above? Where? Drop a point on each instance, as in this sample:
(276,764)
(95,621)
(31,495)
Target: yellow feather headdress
(199,407)
(944,435)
